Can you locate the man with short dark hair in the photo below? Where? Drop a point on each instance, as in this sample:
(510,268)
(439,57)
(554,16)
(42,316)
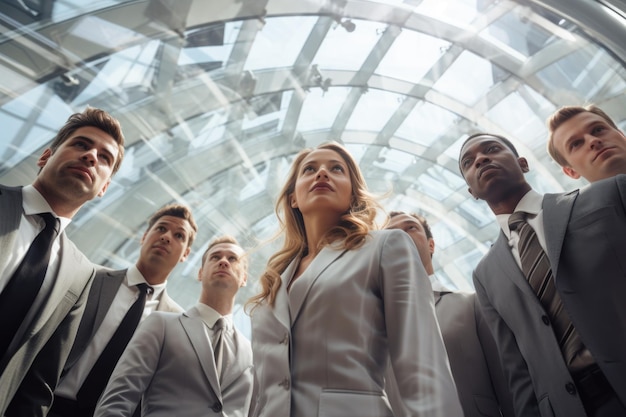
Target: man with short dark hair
(44,278)
(469,344)
(586,143)
(195,363)
(167,241)
(552,286)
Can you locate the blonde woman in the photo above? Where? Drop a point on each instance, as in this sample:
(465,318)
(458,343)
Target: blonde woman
(339,301)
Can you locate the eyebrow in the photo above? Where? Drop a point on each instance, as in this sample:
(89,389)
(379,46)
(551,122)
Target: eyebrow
(92,143)
(482,145)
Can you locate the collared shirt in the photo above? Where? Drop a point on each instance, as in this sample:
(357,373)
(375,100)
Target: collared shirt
(126,295)
(531,204)
(31,224)
(209,316)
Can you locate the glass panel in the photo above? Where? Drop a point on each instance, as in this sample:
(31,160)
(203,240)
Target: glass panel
(345,50)
(517,33)
(456,12)
(374,110)
(426,123)
(280,42)
(467,79)
(523,123)
(397,62)
(477,212)
(320,108)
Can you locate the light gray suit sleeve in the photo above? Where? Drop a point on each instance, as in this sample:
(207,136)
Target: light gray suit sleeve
(134,370)
(418,357)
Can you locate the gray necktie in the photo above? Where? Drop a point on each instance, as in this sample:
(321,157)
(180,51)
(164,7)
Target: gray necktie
(219,328)
(538,272)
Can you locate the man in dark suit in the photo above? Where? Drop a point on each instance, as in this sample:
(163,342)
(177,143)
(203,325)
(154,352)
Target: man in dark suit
(586,143)
(174,360)
(563,343)
(469,344)
(166,242)
(36,335)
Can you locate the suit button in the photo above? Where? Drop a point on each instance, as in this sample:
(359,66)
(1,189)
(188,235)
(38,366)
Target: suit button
(285,383)
(217,407)
(545,320)
(570,388)
(285,340)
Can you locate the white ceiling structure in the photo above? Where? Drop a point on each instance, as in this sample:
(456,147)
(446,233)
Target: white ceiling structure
(216,97)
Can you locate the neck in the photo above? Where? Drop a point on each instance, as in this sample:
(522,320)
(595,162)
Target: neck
(316,227)
(218,302)
(153,274)
(59,205)
(506,203)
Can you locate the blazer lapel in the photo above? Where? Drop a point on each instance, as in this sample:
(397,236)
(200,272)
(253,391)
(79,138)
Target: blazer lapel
(198,335)
(557,209)
(506,262)
(298,294)
(11,209)
(281,304)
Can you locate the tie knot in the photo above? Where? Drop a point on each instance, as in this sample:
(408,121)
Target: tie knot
(51,221)
(144,288)
(220,324)
(516,220)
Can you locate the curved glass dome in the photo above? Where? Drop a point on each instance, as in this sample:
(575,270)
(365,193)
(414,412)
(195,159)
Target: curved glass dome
(216,98)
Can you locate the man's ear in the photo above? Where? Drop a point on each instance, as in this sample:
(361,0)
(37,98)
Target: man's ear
(523,163)
(104,188)
(469,190)
(44,158)
(244,281)
(431,246)
(570,172)
(183,258)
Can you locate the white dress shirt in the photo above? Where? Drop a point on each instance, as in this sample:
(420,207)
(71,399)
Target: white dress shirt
(31,224)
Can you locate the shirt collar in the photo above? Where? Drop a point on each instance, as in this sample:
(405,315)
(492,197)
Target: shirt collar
(134,277)
(530,203)
(34,203)
(437,286)
(209,316)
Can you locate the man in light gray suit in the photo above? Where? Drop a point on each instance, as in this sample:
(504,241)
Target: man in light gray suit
(36,336)
(167,241)
(173,363)
(583,233)
(469,344)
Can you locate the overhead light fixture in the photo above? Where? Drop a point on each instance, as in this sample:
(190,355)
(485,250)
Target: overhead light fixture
(346,23)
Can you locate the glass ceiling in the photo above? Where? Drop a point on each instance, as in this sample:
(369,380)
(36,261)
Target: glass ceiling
(216,98)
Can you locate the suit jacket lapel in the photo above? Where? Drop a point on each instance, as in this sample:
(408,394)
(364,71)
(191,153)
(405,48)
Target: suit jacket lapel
(281,304)
(506,262)
(198,335)
(11,209)
(556,213)
(298,294)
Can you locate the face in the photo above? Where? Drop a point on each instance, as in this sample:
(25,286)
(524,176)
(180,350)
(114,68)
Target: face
(323,184)
(224,267)
(415,229)
(80,169)
(490,168)
(166,243)
(592,148)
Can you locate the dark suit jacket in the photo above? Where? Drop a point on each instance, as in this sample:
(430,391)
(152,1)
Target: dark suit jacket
(101,296)
(586,241)
(32,365)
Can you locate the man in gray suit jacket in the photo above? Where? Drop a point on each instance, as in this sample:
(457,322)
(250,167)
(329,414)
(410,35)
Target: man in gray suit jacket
(587,143)
(166,242)
(583,234)
(75,168)
(173,363)
(469,344)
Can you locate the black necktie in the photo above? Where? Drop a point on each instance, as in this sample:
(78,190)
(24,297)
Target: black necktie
(218,350)
(97,379)
(25,283)
(536,267)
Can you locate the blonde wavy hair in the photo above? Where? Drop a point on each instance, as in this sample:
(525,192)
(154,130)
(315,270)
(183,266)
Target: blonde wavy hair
(351,231)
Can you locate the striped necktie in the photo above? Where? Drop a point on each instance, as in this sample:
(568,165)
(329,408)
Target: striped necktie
(536,267)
